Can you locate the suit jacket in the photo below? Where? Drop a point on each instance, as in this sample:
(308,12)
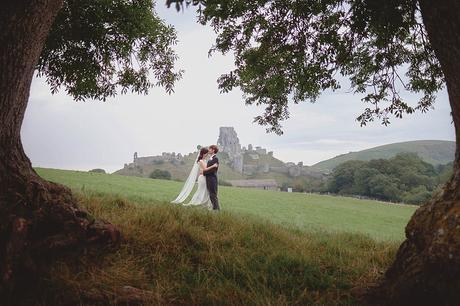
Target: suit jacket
(213,171)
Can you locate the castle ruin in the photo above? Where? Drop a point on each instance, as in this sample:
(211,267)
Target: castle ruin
(148,160)
(229,143)
(250,160)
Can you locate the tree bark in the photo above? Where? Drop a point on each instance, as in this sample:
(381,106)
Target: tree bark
(39,220)
(426,270)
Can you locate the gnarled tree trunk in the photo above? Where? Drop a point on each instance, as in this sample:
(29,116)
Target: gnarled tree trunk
(38,219)
(427,266)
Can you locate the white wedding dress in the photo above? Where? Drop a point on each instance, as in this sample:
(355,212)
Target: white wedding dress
(201,195)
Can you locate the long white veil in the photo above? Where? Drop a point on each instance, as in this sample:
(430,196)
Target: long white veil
(189,183)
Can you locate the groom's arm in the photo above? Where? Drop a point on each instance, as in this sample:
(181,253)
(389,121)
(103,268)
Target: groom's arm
(210,167)
(214,169)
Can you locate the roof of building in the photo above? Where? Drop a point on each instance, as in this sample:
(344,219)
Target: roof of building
(254,183)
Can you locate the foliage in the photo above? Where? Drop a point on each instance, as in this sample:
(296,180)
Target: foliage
(344,177)
(445,172)
(293,50)
(97,170)
(98,47)
(418,194)
(405,177)
(160,174)
(305,212)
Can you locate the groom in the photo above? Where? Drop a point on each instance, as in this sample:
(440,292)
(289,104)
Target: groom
(211,177)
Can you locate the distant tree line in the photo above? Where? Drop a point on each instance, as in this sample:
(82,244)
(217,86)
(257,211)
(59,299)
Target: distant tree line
(403,178)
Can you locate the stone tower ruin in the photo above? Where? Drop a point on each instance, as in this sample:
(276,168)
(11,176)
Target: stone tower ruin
(229,143)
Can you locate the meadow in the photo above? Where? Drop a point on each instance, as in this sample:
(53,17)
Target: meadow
(311,212)
(263,248)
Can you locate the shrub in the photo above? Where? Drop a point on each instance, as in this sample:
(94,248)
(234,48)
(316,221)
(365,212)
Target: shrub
(97,170)
(160,174)
(418,195)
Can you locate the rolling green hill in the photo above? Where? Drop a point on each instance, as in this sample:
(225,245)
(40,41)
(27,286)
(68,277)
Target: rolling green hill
(263,248)
(434,152)
(379,220)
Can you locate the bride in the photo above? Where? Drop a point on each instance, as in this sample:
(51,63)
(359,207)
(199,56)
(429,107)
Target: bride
(201,196)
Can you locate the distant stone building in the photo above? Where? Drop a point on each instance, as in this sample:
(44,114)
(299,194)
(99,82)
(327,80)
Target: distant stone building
(267,184)
(294,171)
(265,168)
(261,151)
(249,169)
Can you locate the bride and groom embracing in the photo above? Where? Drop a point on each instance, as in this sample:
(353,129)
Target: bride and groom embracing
(204,172)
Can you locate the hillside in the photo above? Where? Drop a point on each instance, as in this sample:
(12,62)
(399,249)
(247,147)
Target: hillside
(263,248)
(175,256)
(435,152)
(379,220)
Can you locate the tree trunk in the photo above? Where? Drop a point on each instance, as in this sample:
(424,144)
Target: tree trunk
(426,270)
(39,220)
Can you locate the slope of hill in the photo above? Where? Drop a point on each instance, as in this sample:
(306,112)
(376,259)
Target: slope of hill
(379,220)
(172,255)
(432,151)
(175,255)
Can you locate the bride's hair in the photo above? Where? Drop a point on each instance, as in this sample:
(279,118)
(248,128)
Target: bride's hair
(203,151)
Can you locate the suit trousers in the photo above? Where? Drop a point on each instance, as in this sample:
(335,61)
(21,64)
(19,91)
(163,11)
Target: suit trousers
(211,183)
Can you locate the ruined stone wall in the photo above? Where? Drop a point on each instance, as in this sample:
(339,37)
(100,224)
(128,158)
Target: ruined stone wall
(283,169)
(250,169)
(294,171)
(164,157)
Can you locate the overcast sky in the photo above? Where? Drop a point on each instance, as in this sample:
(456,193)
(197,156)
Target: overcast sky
(61,133)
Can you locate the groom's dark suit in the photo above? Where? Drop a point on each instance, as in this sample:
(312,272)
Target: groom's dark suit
(211,182)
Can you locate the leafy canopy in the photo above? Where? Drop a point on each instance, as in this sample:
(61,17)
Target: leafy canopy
(99,47)
(293,50)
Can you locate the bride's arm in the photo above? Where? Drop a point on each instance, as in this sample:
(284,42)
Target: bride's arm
(213,166)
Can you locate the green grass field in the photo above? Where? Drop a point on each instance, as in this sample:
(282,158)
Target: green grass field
(379,220)
(263,248)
